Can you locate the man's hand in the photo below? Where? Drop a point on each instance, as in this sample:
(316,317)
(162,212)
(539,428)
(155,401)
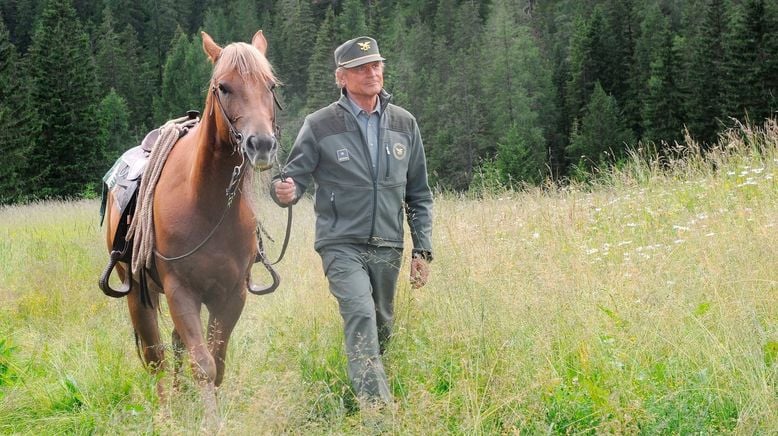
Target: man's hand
(420,272)
(286,191)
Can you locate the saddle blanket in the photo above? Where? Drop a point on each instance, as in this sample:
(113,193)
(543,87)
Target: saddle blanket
(123,179)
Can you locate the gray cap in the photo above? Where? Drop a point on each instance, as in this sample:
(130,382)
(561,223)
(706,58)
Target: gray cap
(356,52)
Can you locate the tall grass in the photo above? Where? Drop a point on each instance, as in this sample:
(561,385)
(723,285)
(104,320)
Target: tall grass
(642,303)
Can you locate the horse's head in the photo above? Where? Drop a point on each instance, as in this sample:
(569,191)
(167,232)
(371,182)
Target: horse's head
(241,89)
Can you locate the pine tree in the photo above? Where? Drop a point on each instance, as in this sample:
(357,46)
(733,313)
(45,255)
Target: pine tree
(352,22)
(589,62)
(184,80)
(159,31)
(65,157)
(458,145)
(321,79)
(602,136)
(113,126)
(108,56)
(18,121)
(705,68)
(752,60)
(519,95)
(294,49)
(663,115)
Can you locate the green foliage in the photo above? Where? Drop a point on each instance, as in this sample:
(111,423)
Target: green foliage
(185,79)
(18,121)
(321,80)
(468,71)
(65,155)
(7,367)
(602,137)
(114,127)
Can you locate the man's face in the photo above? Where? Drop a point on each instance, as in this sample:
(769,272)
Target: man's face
(365,80)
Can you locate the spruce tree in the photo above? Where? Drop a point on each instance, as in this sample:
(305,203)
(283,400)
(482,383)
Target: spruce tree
(18,121)
(752,61)
(663,115)
(519,94)
(65,156)
(352,22)
(184,80)
(705,105)
(113,124)
(321,78)
(602,135)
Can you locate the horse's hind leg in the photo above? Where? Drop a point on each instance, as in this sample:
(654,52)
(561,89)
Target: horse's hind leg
(145,323)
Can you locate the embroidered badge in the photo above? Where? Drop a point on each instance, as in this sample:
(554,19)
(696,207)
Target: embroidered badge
(399,151)
(342,155)
(364,46)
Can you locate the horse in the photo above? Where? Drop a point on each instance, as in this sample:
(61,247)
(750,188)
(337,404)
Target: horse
(204,221)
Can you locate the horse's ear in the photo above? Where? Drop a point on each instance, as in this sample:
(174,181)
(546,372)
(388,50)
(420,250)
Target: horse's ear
(259,42)
(211,48)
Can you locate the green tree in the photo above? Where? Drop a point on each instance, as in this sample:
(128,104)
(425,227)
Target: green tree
(752,60)
(519,93)
(295,44)
(113,123)
(352,21)
(706,24)
(458,144)
(589,62)
(184,80)
(663,116)
(321,79)
(602,135)
(65,155)
(18,121)
(160,28)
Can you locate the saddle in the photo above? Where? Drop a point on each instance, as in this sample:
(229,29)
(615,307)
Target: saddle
(122,182)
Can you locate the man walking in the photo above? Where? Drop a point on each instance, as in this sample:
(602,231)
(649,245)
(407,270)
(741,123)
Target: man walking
(366,160)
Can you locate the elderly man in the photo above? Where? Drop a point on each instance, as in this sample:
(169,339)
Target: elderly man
(366,159)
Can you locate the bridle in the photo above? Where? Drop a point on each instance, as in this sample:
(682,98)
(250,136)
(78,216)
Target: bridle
(236,138)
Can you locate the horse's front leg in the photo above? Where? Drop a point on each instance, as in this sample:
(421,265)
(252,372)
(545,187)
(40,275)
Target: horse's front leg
(223,316)
(185,312)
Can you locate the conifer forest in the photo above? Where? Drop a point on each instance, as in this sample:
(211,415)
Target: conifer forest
(515,91)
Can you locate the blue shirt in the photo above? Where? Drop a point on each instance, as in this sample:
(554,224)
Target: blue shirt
(368,124)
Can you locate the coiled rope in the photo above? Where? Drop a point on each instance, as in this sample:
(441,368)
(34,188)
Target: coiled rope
(142,226)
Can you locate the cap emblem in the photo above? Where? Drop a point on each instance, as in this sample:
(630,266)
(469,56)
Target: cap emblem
(364,46)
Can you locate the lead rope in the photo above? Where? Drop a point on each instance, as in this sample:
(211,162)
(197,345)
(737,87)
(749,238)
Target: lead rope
(142,226)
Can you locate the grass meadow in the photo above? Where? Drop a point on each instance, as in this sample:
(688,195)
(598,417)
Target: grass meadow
(644,303)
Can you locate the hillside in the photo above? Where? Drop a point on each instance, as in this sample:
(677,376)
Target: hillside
(644,302)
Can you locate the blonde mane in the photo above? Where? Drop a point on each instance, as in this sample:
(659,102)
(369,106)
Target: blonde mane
(246,60)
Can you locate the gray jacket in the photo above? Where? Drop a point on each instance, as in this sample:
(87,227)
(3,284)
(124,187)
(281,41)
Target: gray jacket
(353,202)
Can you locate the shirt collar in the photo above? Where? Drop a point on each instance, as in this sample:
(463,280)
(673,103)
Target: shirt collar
(355,109)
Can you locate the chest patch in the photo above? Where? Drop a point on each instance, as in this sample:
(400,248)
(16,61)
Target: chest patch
(399,151)
(342,155)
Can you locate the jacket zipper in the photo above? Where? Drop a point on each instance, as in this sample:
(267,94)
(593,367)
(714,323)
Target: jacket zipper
(334,211)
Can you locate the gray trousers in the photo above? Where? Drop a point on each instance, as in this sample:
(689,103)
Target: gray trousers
(363,279)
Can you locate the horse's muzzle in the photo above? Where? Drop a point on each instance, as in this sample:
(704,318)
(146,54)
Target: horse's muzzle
(260,149)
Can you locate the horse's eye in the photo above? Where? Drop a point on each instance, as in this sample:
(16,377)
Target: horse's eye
(272,86)
(224,89)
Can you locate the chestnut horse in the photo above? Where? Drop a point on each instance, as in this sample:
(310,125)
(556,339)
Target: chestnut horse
(205,243)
